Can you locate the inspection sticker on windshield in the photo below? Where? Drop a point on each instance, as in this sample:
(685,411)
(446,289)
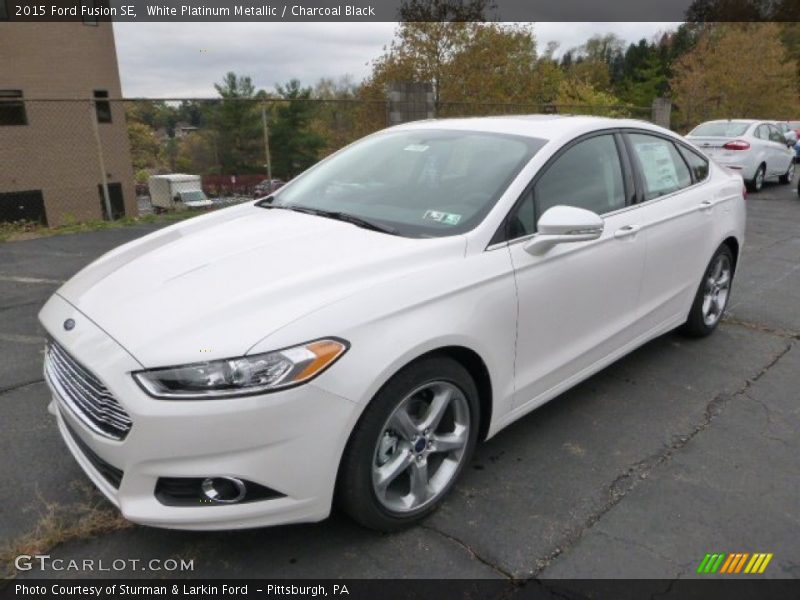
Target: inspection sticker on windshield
(442,217)
(416,148)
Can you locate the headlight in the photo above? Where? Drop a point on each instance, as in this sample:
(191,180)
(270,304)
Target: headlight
(242,376)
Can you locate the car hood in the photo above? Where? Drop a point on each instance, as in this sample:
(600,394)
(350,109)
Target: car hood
(212,287)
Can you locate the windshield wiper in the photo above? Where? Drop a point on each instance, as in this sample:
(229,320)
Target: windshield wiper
(339,216)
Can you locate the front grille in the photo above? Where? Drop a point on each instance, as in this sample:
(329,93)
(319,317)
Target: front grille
(110,473)
(84,394)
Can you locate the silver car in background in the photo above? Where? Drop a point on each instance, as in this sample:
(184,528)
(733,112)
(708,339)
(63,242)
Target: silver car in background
(756,149)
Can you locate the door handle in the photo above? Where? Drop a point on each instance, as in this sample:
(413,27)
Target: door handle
(706,206)
(627,231)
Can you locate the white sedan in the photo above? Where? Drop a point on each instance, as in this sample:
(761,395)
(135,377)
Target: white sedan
(354,335)
(756,149)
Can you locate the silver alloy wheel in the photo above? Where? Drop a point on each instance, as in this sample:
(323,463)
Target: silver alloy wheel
(717,288)
(759,182)
(790,172)
(420,447)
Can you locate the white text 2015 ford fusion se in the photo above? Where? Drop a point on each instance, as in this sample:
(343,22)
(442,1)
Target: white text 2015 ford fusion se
(350,338)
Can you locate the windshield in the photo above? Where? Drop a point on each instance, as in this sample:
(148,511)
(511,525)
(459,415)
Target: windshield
(196,196)
(720,129)
(424,183)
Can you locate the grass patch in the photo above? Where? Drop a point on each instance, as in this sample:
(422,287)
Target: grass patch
(90,516)
(26,230)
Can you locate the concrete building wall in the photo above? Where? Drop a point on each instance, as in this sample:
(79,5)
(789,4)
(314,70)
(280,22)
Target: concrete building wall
(58,66)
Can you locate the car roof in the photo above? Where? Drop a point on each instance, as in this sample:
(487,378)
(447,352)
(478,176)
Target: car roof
(547,127)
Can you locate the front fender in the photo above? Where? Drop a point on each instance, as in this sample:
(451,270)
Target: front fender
(469,303)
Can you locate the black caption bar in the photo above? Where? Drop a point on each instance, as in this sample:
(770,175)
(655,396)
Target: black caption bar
(405,10)
(391,589)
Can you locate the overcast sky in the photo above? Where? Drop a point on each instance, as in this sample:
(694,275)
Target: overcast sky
(162,60)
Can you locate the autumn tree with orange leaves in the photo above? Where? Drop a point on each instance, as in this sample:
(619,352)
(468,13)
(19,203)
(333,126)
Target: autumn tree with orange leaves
(736,71)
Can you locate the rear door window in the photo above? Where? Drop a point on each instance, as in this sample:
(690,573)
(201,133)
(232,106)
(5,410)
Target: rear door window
(775,135)
(662,168)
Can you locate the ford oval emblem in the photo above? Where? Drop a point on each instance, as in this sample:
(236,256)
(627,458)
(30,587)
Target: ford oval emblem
(69,324)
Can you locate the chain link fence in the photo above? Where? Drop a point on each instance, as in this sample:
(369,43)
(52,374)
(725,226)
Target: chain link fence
(470,109)
(69,161)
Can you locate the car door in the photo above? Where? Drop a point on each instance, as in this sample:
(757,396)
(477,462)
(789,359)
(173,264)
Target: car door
(762,148)
(676,213)
(778,153)
(576,301)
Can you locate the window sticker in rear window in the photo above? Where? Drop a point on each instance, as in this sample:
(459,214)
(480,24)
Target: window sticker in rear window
(659,170)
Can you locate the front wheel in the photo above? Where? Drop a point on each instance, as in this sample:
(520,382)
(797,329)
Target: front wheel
(788,177)
(712,295)
(410,445)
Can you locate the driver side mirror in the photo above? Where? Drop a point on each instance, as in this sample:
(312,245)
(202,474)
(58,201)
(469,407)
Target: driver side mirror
(564,224)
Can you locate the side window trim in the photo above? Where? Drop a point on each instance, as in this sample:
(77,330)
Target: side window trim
(637,171)
(501,236)
(685,148)
(692,178)
(628,172)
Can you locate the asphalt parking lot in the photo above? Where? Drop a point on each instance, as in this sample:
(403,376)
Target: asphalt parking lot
(682,448)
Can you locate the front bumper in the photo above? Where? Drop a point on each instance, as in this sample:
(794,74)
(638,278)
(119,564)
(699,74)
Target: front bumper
(290,441)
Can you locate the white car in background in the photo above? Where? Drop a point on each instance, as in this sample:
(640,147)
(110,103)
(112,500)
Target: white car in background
(756,149)
(355,334)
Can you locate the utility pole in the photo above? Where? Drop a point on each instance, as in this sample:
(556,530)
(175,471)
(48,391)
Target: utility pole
(266,142)
(103,174)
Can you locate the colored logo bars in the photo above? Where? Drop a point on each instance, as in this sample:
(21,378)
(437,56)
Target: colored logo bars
(739,562)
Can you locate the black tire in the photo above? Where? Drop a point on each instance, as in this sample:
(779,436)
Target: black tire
(355,493)
(696,325)
(756,184)
(787,177)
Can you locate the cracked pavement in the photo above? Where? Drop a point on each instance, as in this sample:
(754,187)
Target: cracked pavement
(681,448)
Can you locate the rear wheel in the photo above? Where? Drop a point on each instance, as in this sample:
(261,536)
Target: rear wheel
(757,182)
(788,177)
(410,445)
(712,295)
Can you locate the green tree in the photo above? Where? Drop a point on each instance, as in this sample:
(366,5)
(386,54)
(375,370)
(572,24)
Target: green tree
(156,114)
(644,74)
(145,147)
(236,122)
(294,143)
(196,153)
(337,112)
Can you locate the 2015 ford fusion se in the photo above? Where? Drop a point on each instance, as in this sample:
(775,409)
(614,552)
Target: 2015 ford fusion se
(351,337)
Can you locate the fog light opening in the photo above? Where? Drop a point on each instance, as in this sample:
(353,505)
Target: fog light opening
(224,490)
